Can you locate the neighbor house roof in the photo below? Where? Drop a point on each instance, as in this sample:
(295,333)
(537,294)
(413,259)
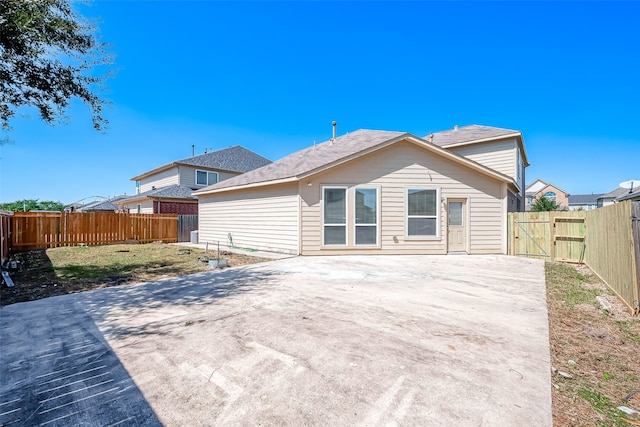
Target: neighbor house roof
(635,194)
(102,205)
(170,192)
(614,194)
(583,199)
(332,153)
(233,159)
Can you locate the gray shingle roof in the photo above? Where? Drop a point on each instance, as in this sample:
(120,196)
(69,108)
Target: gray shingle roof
(102,205)
(614,194)
(310,159)
(236,158)
(468,134)
(583,199)
(171,192)
(319,157)
(633,195)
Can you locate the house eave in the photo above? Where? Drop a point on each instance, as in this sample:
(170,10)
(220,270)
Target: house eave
(245,186)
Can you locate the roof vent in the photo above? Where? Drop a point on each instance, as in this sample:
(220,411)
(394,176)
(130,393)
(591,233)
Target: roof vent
(334,124)
(455,127)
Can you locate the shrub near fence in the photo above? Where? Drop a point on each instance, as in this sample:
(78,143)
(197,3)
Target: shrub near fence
(33,230)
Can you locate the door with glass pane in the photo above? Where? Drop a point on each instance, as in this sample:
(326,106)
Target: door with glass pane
(457,225)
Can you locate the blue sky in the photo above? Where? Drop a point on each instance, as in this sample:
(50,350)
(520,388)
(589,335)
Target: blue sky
(271,76)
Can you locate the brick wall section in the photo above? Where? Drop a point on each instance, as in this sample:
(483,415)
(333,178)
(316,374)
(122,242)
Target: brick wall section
(180,208)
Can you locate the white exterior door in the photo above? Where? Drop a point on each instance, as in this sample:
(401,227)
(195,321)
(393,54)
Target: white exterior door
(457,225)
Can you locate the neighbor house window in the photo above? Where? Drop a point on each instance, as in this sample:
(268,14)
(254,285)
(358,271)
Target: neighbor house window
(139,208)
(366,216)
(335,216)
(138,187)
(206,178)
(422,212)
(550,195)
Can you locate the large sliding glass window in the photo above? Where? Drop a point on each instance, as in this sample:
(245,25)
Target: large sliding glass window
(335,215)
(422,212)
(206,178)
(366,216)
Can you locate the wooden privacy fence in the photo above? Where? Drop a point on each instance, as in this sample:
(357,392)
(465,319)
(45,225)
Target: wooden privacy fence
(606,239)
(186,224)
(33,230)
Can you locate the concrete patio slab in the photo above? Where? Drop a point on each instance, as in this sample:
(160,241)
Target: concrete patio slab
(359,340)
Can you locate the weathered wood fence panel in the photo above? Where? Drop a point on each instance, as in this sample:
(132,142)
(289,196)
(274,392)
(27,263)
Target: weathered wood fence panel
(606,239)
(32,230)
(5,235)
(612,250)
(186,224)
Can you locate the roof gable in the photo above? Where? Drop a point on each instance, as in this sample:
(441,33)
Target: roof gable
(232,159)
(474,134)
(536,186)
(235,159)
(332,153)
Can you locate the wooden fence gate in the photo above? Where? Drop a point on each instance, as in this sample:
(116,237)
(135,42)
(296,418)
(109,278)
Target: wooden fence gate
(552,236)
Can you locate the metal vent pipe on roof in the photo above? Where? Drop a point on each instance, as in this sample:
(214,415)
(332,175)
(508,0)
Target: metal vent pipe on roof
(334,124)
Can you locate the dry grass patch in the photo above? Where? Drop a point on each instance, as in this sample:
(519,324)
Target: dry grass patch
(65,270)
(599,349)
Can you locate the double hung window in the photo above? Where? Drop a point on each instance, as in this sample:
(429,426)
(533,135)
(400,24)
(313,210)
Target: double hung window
(335,216)
(422,212)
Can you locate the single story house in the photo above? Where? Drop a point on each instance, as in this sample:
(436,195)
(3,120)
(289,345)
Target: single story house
(585,202)
(366,192)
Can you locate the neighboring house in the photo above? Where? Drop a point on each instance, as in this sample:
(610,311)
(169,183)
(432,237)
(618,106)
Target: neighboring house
(539,188)
(618,195)
(631,195)
(367,192)
(109,205)
(585,202)
(169,188)
(612,196)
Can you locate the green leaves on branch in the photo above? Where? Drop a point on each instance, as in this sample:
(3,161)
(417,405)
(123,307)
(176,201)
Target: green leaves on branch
(48,54)
(27,205)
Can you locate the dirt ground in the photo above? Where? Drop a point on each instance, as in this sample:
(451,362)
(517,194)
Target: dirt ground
(594,351)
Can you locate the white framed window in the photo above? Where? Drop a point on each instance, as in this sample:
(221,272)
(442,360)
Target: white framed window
(423,207)
(334,216)
(138,187)
(206,177)
(367,214)
(551,195)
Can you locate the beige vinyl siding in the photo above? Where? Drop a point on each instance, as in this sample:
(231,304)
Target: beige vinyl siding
(262,218)
(146,207)
(394,170)
(497,155)
(159,180)
(188,175)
